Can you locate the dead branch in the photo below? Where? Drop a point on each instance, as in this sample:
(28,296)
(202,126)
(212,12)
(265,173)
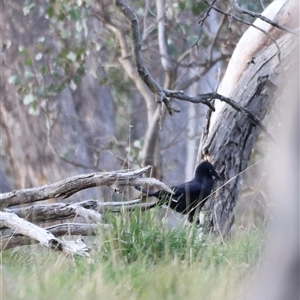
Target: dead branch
(69,186)
(43,236)
(17,239)
(91,210)
(210,96)
(61,211)
(22,232)
(58,211)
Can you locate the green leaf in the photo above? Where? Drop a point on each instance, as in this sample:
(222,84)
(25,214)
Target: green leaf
(192,40)
(50,12)
(54,89)
(61,16)
(98,46)
(27,8)
(41,39)
(73,85)
(28,99)
(173,49)
(60,87)
(38,56)
(181,6)
(77,79)
(93,73)
(65,34)
(71,56)
(28,74)
(75,14)
(41,91)
(198,8)
(81,71)
(15,80)
(78,26)
(22,51)
(55,74)
(103,81)
(28,62)
(86,31)
(138,143)
(49,122)
(34,109)
(189,4)
(44,69)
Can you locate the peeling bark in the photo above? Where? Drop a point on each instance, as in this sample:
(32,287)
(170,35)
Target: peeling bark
(231,138)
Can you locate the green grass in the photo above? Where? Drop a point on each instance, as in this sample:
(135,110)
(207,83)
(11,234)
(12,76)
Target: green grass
(136,259)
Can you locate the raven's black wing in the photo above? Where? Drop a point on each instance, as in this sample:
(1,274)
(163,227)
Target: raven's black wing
(190,188)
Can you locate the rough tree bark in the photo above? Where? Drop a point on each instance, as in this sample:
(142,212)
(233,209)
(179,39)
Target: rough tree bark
(230,136)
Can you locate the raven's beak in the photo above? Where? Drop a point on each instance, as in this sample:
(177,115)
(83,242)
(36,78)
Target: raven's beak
(217,176)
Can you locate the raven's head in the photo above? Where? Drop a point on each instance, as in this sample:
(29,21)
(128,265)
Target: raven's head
(206,169)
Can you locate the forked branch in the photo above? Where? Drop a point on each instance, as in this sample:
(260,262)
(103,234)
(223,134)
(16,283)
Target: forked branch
(163,95)
(158,91)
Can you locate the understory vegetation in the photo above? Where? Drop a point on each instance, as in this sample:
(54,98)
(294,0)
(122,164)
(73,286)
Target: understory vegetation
(137,259)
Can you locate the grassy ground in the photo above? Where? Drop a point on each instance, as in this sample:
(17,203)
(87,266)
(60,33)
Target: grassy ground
(136,260)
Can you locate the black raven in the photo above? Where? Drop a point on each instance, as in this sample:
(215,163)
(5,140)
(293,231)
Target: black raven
(188,195)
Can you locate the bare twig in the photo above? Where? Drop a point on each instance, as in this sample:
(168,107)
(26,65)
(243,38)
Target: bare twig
(205,14)
(250,24)
(162,94)
(232,103)
(158,91)
(216,37)
(135,32)
(263,18)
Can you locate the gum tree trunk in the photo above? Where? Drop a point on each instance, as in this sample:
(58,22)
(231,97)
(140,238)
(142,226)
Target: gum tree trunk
(231,137)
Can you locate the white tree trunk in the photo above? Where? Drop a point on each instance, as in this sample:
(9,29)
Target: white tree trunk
(232,136)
